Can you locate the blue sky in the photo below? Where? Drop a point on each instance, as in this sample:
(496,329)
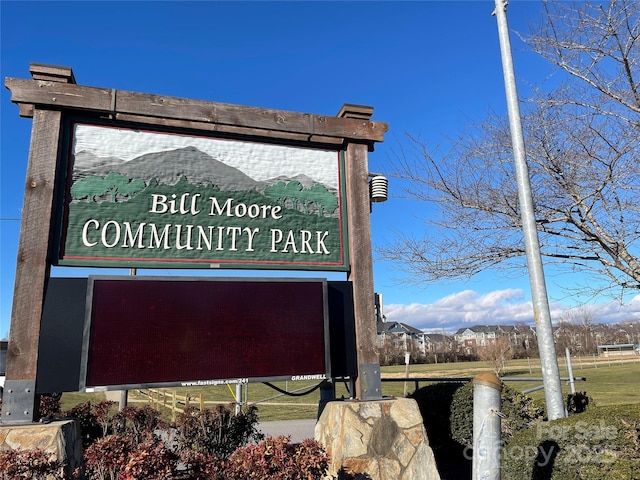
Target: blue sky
(428,68)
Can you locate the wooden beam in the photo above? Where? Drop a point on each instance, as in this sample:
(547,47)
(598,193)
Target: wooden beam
(368,384)
(32,270)
(119,103)
(32,263)
(232,130)
(54,95)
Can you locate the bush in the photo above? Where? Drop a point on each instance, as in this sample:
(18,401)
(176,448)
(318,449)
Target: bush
(603,442)
(217,431)
(434,402)
(201,445)
(151,460)
(137,424)
(202,466)
(93,419)
(447,412)
(50,406)
(520,412)
(29,464)
(203,439)
(106,457)
(278,459)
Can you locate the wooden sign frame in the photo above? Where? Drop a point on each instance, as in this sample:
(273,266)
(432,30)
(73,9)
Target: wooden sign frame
(52,96)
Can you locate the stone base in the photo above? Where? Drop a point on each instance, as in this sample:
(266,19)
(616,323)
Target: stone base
(385,439)
(61,439)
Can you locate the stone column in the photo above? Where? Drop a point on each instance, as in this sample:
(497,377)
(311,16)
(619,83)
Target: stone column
(385,439)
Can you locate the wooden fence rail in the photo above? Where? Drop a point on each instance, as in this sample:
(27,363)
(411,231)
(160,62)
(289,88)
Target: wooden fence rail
(581,362)
(171,400)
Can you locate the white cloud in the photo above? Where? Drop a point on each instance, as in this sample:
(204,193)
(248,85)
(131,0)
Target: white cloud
(504,307)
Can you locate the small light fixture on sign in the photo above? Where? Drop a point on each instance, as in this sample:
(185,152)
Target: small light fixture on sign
(378,188)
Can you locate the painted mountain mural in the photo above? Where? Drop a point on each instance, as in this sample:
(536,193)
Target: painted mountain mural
(98,179)
(169,166)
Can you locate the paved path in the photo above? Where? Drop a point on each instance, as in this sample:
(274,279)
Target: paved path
(298,430)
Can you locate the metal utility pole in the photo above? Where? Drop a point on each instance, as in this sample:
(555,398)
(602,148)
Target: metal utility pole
(546,346)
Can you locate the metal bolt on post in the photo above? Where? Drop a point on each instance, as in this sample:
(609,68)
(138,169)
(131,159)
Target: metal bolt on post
(486,427)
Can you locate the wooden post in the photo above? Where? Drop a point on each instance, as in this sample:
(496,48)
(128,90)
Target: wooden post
(368,383)
(20,402)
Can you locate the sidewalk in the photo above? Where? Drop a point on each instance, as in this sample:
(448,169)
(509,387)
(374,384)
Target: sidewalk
(298,430)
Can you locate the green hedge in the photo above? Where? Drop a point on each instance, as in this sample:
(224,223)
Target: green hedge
(603,442)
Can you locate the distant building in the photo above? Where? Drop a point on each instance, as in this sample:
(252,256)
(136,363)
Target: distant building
(618,350)
(470,338)
(402,337)
(395,339)
(439,342)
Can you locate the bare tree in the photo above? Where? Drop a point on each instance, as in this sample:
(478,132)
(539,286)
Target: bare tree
(581,321)
(496,353)
(582,148)
(597,44)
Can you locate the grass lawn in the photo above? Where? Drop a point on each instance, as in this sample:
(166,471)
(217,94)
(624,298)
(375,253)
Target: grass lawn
(605,385)
(608,383)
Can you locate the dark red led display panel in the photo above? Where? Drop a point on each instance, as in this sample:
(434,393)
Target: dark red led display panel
(158,331)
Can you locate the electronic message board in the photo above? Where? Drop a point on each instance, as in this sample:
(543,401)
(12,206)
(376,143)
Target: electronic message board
(183,331)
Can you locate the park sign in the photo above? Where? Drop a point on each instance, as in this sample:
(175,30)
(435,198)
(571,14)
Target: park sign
(139,180)
(145,198)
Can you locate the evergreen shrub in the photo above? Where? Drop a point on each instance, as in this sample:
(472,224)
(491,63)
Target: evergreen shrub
(603,442)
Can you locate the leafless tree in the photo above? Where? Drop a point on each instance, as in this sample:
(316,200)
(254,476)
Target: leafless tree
(583,156)
(576,332)
(496,353)
(581,323)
